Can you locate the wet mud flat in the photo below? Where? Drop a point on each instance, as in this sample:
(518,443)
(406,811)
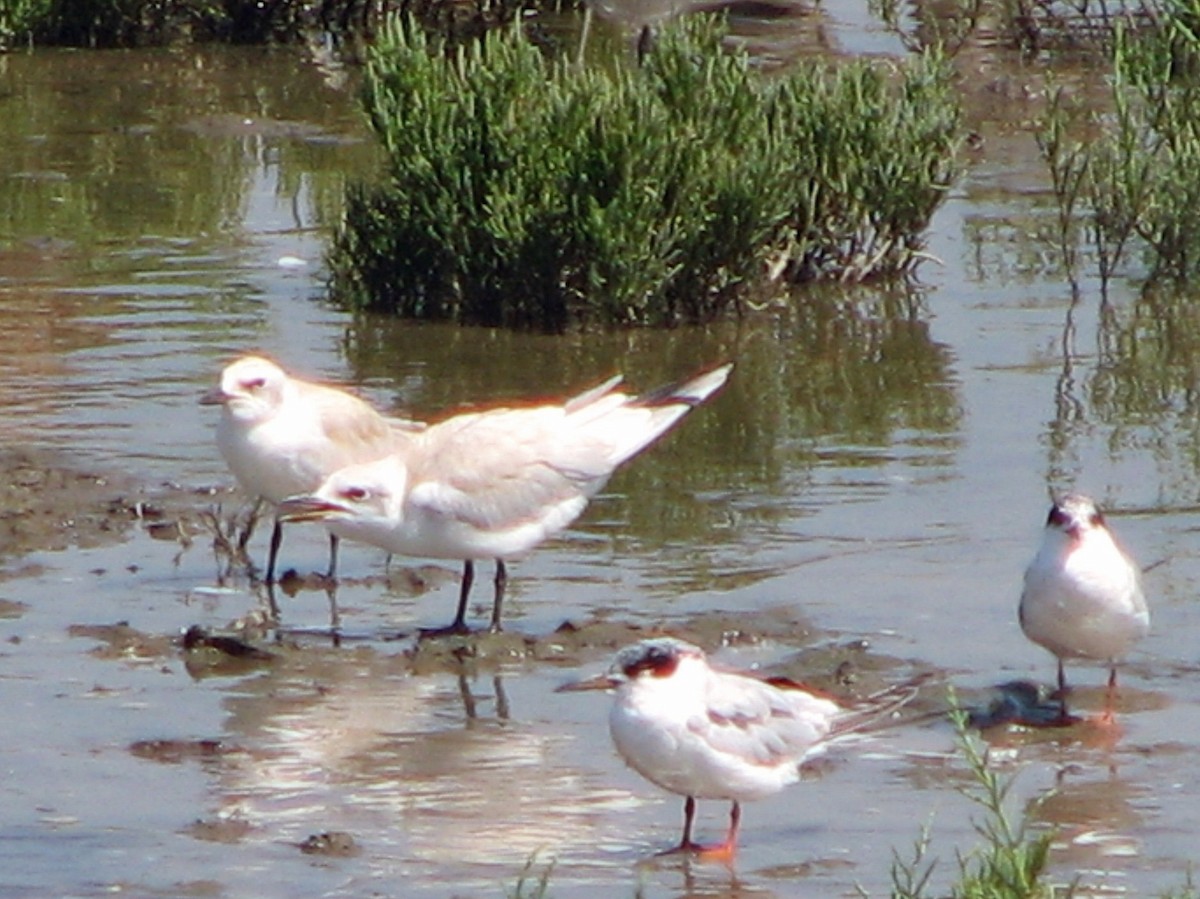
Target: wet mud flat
(182,722)
(222,731)
(877,476)
(52,506)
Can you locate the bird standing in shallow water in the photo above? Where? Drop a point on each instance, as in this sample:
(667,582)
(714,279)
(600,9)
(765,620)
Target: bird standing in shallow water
(281,435)
(497,483)
(703,733)
(1083,595)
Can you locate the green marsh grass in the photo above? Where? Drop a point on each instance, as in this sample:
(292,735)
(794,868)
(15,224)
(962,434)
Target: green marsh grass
(19,19)
(1134,180)
(525,190)
(1011,860)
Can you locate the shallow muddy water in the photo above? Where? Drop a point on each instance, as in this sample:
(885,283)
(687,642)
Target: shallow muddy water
(857,506)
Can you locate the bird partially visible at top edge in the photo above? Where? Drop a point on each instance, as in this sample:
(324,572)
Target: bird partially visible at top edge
(497,483)
(1083,595)
(281,435)
(704,733)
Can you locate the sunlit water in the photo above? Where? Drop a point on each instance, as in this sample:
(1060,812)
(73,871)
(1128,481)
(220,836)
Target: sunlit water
(879,468)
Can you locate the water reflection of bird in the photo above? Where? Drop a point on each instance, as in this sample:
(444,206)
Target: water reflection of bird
(639,17)
(1095,816)
(1083,595)
(281,435)
(497,483)
(408,764)
(640,12)
(708,734)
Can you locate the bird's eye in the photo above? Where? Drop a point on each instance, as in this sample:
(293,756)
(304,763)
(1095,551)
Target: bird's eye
(657,662)
(355,494)
(255,384)
(1058,517)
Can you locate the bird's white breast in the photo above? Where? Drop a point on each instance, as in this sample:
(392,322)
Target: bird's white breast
(663,729)
(274,458)
(1084,601)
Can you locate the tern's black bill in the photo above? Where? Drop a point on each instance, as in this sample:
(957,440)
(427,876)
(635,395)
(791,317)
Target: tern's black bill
(599,682)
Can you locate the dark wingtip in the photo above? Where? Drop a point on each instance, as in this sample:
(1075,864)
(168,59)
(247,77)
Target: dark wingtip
(690,392)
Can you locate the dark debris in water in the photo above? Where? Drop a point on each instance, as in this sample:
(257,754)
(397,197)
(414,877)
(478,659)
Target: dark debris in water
(333,843)
(11,609)
(173,752)
(207,654)
(1022,703)
(197,638)
(121,641)
(219,830)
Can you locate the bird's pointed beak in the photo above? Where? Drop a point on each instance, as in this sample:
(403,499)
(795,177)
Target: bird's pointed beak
(214,397)
(598,682)
(307,508)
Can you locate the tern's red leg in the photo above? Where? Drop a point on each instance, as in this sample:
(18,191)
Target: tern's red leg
(725,851)
(1110,699)
(720,852)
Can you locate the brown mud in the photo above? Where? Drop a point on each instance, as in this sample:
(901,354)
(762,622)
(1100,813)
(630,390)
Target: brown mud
(53,506)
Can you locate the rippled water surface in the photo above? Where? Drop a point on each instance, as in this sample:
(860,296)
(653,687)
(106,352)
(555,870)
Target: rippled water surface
(871,486)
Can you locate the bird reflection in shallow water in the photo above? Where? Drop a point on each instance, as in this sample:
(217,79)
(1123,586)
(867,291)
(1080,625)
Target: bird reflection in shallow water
(291,585)
(1095,816)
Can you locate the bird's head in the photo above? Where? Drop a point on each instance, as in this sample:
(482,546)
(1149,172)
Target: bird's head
(645,661)
(658,657)
(251,389)
(364,497)
(1075,515)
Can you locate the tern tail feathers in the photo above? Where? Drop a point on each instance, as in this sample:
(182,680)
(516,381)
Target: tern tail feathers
(691,392)
(590,396)
(875,711)
(665,407)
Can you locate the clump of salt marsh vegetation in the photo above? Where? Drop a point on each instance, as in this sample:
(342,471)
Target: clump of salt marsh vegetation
(18,18)
(1131,174)
(525,190)
(1037,28)
(1011,860)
